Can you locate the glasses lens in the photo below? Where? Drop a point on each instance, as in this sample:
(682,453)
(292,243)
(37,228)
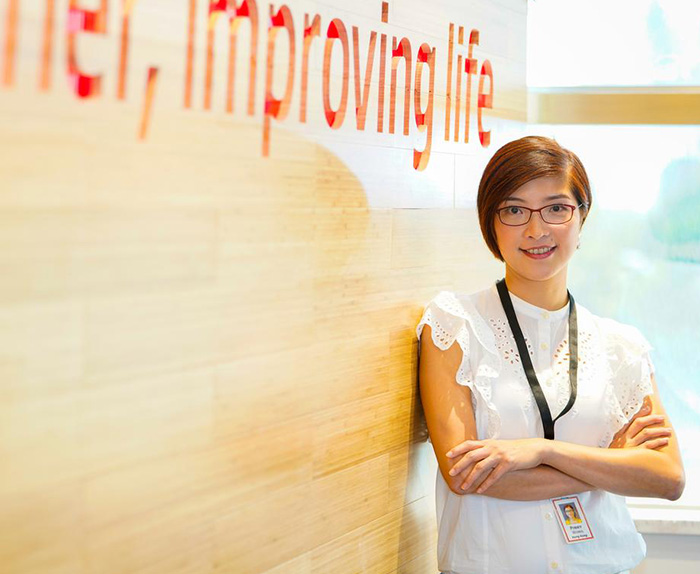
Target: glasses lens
(514,215)
(557,213)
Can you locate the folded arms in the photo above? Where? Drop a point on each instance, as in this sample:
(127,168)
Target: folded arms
(643,459)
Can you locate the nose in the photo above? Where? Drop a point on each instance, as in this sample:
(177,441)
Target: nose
(536,227)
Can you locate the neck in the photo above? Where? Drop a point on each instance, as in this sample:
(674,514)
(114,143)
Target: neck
(549,294)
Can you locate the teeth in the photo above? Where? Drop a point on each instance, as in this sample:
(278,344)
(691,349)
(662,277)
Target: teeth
(540,250)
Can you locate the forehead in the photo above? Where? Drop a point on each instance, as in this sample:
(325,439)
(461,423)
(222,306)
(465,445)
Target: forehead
(541,189)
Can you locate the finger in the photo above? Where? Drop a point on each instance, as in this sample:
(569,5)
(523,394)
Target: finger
(464,447)
(650,433)
(468,460)
(478,473)
(656,443)
(642,422)
(495,475)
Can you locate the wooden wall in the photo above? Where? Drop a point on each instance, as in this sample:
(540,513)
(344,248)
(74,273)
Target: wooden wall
(207,347)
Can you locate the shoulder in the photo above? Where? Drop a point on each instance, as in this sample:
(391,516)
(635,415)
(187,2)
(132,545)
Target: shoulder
(454,314)
(622,343)
(625,336)
(460,305)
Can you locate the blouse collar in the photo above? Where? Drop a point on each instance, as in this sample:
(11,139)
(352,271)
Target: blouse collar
(522,306)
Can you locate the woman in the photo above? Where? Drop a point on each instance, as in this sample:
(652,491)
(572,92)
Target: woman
(570,514)
(505,367)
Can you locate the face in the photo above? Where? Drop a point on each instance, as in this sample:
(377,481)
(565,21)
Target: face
(560,239)
(569,512)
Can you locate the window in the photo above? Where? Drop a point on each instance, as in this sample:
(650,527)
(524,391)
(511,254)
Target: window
(620,43)
(643,236)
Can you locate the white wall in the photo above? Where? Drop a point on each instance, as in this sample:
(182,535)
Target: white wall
(670,554)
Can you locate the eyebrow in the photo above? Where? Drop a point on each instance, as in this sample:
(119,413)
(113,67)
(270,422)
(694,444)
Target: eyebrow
(558,196)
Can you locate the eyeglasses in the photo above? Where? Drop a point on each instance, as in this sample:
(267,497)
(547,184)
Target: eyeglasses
(556,214)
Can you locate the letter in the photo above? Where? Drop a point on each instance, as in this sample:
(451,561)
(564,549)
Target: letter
(399,51)
(448,100)
(81,20)
(336,30)
(275,108)
(311,31)
(45,71)
(8,69)
(424,120)
(247,9)
(148,101)
(458,98)
(127,6)
(361,101)
(382,71)
(11,17)
(382,87)
(189,70)
(485,101)
(470,67)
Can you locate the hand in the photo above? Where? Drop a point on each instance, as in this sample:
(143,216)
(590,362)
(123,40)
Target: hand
(485,461)
(644,432)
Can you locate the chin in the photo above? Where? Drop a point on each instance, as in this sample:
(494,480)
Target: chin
(537,277)
(537,274)
(536,270)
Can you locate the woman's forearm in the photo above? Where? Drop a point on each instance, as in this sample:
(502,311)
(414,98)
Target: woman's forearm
(625,471)
(537,483)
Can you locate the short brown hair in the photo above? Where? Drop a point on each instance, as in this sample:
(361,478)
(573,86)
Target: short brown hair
(518,162)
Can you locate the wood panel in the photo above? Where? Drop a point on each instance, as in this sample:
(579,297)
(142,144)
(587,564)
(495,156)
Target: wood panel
(644,105)
(207,354)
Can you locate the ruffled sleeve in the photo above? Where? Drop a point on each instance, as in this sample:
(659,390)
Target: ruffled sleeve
(456,319)
(631,369)
(447,322)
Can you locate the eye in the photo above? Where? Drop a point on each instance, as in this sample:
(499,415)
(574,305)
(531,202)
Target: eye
(557,208)
(513,210)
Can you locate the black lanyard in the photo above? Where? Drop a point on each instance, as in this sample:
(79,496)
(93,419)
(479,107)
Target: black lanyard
(545,414)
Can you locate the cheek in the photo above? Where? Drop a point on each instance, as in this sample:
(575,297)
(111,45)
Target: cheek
(505,236)
(568,237)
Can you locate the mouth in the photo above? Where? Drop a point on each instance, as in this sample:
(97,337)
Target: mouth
(539,252)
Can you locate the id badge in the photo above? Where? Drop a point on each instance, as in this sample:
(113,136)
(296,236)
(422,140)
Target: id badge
(572,520)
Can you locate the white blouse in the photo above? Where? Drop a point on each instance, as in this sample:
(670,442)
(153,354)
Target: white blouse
(478,534)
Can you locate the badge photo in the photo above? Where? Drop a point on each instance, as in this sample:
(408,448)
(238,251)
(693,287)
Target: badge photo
(572,519)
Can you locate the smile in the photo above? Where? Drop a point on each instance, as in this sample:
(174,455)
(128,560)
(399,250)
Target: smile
(539,249)
(539,252)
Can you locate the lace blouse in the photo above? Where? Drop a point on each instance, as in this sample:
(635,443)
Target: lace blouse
(483,535)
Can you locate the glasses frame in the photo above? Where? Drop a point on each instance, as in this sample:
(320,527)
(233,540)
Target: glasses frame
(573,209)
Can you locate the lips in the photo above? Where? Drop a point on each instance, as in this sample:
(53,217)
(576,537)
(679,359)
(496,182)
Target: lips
(542,249)
(550,249)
